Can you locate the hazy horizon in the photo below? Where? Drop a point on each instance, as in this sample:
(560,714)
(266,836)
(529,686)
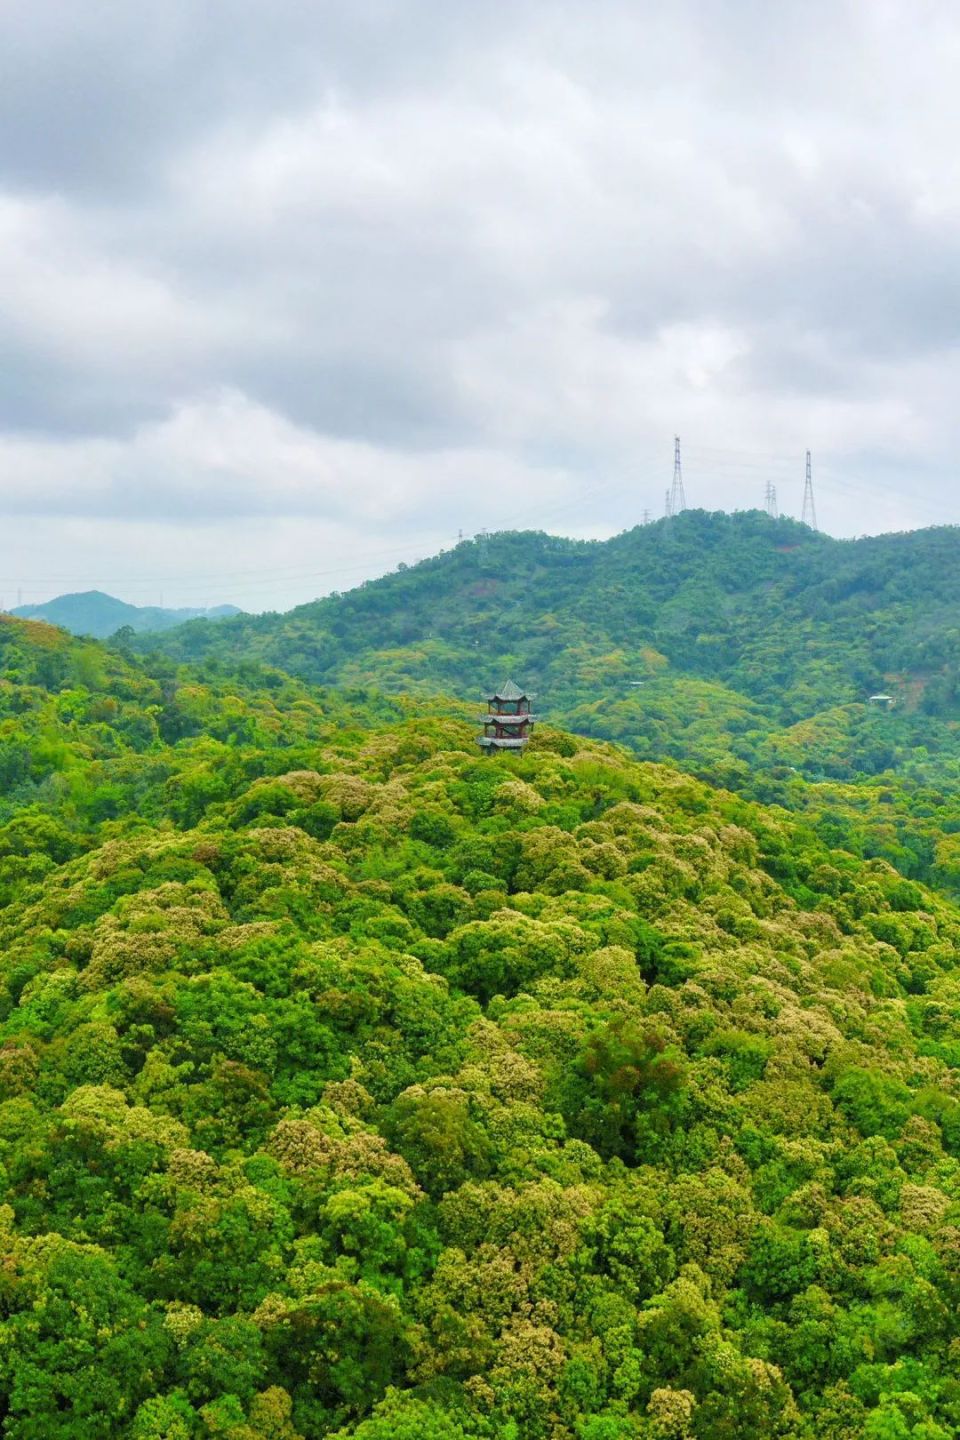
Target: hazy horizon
(267,607)
(294,293)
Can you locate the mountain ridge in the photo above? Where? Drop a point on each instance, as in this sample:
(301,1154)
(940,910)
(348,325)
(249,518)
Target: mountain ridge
(772,622)
(703,591)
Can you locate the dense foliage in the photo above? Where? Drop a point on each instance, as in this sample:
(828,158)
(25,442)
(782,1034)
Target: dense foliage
(741,648)
(93,743)
(791,622)
(354,1086)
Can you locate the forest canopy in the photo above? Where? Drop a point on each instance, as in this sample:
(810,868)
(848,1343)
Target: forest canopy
(355,1086)
(743,649)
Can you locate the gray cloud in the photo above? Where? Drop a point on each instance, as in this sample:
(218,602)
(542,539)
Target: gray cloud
(379,272)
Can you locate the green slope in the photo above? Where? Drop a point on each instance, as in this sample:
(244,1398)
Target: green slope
(354,1086)
(793,621)
(93,743)
(744,649)
(791,618)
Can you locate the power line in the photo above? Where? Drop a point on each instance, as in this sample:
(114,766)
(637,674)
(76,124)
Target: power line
(257,576)
(585,502)
(742,457)
(214,585)
(732,463)
(606,489)
(875,490)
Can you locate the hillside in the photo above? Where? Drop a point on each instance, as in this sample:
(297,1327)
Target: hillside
(412,1095)
(95,744)
(91,612)
(355,1086)
(787,621)
(741,648)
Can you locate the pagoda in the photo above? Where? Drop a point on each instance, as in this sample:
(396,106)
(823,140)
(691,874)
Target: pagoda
(508,721)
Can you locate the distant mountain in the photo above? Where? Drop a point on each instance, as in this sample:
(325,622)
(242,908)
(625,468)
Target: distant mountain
(736,644)
(94,613)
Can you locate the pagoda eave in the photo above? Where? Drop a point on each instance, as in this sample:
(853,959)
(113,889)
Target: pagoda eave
(497,719)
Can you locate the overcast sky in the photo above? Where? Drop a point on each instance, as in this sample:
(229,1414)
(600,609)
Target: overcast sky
(292,290)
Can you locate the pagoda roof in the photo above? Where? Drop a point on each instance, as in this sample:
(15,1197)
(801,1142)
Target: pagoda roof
(494,743)
(509,691)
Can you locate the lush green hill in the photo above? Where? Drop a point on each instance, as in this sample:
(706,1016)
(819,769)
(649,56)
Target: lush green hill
(742,648)
(793,620)
(94,743)
(622,637)
(352,1085)
(91,612)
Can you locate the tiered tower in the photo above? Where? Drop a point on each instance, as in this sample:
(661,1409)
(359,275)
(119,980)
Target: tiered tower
(508,721)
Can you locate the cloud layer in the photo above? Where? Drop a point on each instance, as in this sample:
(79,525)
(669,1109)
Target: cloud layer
(290,292)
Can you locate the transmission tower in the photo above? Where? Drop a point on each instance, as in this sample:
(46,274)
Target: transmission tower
(666,505)
(678,500)
(809,516)
(647,517)
(770,499)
